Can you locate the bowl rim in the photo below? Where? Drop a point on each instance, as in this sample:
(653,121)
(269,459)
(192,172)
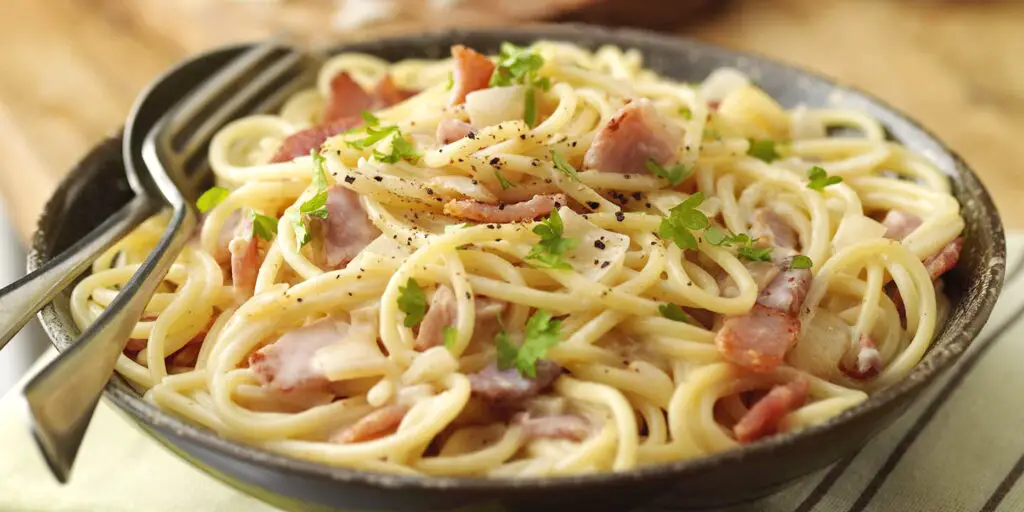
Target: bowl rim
(939,358)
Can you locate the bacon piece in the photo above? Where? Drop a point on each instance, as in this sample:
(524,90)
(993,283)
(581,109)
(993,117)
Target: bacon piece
(386,93)
(348,99)
(451,130)
(302,142)
(245,258)
(187,356)
(898,224)
(347,228)
(560,426)
(636,134)
(228,231)
(288,364)
(540,206)
(763,418)
(770,227)
(377,424)
(758,340)
(135,344)
(944,260)
(343,111)
(472,72)
(869,360)
(787,291)
(441,313)
(509,386)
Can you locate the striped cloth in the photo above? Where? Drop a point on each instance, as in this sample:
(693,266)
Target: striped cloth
(960,448)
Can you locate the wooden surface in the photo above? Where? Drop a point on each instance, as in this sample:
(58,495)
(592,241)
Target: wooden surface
(70,69)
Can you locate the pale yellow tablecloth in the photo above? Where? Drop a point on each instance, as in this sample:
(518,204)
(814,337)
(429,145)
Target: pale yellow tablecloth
(960,448)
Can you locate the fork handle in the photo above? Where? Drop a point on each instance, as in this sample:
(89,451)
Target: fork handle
(24,297)
(61,398)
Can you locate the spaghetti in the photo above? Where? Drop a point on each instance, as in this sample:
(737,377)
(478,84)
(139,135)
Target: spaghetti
(546,262)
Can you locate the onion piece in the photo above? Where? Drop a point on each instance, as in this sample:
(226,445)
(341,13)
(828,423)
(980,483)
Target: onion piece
(488,107)
(855,229)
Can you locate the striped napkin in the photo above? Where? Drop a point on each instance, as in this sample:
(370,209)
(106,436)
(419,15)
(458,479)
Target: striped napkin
(960,448)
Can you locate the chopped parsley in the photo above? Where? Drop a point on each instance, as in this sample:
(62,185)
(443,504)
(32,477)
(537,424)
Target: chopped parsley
(519,66)
(542,333)
(674,312)
(743,243)
(530,110)
(548,252)
(370,119)
(315,206)
(401,149)
(686,113)
(503,181)
(682,219)
(763,149)
(413,302)
(263,226)
(564,166)
(819,179)
(800,261)
(450,334)
(374,134)
(211,198)
(675,174)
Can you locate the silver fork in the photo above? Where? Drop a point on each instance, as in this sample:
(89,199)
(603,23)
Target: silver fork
(62,396)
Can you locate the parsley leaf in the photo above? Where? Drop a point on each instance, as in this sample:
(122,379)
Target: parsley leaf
(541,334)
(374,135)
(315,206)
(755,253)
(686,113)
(530,102)
(413,302)
(563,165)
(683,218)
(674,312)
(742,241)
(763,149)
(211,198)
(507,352)
(519,66)
(371,120)
(548,252)
(819,178)
(503,181)
(800,261)
(516,65)
(263,226)
(450,333)
(675,174)
(401,149)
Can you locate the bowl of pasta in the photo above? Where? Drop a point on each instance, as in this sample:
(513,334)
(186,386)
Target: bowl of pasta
(549,266)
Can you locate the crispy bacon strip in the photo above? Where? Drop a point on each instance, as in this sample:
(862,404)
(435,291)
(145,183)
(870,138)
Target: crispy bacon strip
(509,386)
(377,424)
(759,340)
(347,228)
(472,72)
(540,206)
(636,134)
(763,418)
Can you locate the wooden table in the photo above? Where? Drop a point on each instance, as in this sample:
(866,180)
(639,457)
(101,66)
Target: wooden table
(71,68)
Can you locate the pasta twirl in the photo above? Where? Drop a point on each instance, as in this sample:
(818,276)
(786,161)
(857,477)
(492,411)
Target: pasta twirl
(548,261)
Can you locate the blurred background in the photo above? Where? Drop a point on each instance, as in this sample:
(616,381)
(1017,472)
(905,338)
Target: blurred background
(70,69)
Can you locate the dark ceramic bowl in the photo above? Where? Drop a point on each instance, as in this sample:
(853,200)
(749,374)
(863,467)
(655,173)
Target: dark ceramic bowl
(96,188)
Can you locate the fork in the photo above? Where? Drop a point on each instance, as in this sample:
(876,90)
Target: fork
(62,396)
